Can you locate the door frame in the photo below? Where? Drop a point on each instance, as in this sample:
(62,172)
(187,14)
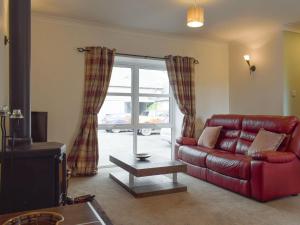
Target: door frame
(134,94)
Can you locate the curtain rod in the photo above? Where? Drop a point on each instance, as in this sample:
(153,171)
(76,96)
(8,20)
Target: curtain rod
(132,55)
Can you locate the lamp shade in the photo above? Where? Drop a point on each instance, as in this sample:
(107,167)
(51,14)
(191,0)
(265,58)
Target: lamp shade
(195,16)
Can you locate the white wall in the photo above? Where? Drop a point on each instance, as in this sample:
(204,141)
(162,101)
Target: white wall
(3,55)
(2,81)
(292,73)
(58,70)
(262,92)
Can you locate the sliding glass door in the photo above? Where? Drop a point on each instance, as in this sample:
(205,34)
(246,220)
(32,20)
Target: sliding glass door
(137,115)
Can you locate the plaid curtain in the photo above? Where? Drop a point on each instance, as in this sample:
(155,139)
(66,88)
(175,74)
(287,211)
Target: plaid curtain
(181,76)
(83,158)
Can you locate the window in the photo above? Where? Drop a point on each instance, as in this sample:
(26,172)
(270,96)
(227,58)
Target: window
(120,81)
(137,115)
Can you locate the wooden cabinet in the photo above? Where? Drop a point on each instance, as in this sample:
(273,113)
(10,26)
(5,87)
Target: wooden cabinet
(33,177)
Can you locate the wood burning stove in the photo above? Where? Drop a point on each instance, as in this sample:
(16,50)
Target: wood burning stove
(33,176)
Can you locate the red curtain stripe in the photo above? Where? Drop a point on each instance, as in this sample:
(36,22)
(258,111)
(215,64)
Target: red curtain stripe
(181,72)
(83,158)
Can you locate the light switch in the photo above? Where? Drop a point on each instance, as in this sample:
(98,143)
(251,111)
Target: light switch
(294,93)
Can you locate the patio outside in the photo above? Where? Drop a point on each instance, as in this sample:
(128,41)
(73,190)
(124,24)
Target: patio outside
(113,143)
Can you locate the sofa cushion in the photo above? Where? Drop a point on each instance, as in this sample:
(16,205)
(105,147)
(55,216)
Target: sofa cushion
(209,137)
(232,125)
(252,124)
(233,165)
(195,155)
(266,140)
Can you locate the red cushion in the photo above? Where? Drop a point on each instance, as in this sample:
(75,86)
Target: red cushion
(195,155)
(274,156)
(233,165)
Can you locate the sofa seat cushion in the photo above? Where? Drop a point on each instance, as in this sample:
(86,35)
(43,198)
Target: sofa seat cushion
(229,164)
(195,155)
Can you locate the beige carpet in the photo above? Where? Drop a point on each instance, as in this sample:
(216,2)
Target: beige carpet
(203,204)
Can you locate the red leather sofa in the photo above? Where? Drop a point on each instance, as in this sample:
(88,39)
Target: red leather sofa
(262,176)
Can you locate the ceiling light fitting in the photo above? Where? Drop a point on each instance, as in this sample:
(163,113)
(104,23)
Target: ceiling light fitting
(195,16)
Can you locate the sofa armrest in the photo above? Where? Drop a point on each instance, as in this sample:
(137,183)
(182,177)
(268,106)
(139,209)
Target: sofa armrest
(274,156)
(186,141)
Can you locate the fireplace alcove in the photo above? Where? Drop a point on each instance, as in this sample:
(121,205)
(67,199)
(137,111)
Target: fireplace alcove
(32,175)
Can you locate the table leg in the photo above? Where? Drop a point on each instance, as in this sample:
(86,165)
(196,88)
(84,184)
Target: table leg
(131,180)
(174,177)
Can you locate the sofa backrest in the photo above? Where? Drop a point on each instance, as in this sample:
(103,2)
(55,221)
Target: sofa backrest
(252,124)
(239,131)
(232,125)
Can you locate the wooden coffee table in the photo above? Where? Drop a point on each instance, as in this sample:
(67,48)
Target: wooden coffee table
(150,180)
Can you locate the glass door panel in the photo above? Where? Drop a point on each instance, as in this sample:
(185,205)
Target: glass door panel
(137,113)
(115,141)
(157,143)
(120,81)
(116,110)
(154,110)
(153,82)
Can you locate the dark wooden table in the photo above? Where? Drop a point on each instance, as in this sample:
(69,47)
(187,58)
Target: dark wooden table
(86,213)
(151,181)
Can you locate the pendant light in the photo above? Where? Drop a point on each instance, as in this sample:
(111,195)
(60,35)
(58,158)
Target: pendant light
(195,16)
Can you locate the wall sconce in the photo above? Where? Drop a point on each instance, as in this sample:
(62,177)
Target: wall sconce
(6,40)
(252,68)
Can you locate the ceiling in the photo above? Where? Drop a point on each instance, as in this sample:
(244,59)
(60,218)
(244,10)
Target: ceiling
(224,19)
